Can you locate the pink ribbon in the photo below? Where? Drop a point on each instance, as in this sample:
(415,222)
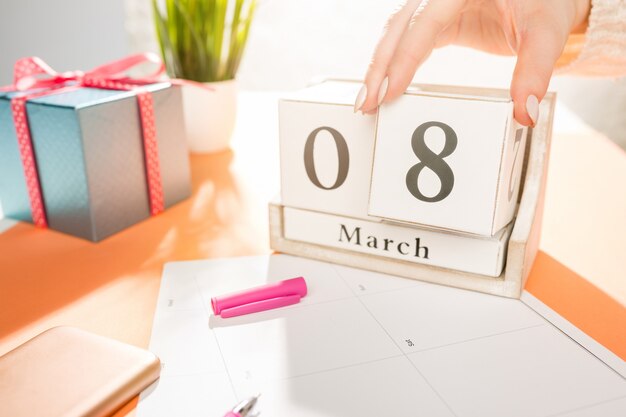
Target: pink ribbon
(34,74)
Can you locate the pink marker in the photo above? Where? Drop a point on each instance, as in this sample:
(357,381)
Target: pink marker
(266,297)
(244,408)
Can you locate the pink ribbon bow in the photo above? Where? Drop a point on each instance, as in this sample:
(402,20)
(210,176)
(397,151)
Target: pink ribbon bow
(34,74)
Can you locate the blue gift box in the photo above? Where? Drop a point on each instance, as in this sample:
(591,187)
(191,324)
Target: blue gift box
(89,153)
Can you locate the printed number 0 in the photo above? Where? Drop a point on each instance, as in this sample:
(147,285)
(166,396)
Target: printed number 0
(343,158)
(516,146)
(433,161)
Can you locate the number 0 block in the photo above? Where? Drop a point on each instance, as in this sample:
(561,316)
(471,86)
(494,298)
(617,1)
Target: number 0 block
(326,150)
(451,162)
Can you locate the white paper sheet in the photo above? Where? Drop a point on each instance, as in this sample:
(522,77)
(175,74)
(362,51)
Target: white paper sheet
(362,344)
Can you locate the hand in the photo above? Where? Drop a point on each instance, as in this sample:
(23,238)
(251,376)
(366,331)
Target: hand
(534,30)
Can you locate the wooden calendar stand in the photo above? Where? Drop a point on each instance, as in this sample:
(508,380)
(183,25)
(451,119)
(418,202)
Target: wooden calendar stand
(523,243)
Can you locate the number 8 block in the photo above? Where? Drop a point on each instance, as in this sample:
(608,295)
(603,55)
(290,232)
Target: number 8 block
(445,161)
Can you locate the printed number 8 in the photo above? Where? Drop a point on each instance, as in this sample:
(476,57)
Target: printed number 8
(433,161)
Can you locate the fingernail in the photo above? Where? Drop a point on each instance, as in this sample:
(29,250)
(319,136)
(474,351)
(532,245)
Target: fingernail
(382,91)
(360,98)
(532,108)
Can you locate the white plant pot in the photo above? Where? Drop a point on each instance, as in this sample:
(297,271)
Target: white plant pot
(210,115)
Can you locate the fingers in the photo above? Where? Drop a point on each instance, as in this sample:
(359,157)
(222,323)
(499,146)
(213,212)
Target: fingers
(367,99)
(427,23)
(540,47)
(409,38)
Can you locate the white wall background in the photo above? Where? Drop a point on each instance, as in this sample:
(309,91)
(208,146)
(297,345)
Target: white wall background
(291,41)
(68,34)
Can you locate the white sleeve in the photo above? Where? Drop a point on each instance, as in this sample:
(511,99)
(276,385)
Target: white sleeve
(603,53)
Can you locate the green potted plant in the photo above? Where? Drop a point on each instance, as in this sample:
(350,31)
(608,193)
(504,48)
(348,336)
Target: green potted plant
(203,41)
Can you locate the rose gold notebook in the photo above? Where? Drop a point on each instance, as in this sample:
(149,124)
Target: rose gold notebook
(68,372)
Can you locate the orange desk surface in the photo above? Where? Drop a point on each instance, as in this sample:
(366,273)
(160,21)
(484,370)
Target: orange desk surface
(110,288)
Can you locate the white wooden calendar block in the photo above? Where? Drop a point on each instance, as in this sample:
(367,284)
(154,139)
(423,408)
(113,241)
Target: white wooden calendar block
(450,161)
(326,150)
(476,254)
(304,236)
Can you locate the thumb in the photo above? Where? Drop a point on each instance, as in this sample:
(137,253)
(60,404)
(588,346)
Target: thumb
(538,52)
